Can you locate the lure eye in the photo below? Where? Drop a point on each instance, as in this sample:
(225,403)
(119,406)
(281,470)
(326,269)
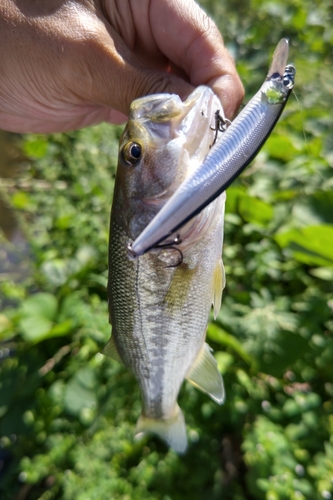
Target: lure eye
(287,81)
(289,76)
(132,153)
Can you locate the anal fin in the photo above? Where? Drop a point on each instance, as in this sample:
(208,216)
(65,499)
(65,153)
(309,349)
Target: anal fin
(111,351)
(204,375)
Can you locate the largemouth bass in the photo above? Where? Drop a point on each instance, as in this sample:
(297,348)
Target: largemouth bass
(159,304)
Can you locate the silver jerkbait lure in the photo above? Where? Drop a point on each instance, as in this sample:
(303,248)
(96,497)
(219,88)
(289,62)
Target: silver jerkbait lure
(237,147)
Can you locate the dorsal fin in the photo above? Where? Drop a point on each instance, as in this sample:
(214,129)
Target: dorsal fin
(204,375)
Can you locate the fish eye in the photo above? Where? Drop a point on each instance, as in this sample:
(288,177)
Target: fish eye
(135,151)
(132,153)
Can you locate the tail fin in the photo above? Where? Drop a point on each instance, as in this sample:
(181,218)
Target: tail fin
(172,430)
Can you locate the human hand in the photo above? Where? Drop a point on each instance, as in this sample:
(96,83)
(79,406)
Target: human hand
(66,64)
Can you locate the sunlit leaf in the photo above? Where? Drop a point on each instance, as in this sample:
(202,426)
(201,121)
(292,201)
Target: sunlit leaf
(255,210)
(324,273)
(314,209)
(5,324)
(81,392)
(311,245)
(281,148)
(55,271)
(41,304)
(35,146)
(220,336)
(21,200)
(35,328)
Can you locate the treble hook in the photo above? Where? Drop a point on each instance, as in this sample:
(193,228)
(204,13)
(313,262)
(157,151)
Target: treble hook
(221,125)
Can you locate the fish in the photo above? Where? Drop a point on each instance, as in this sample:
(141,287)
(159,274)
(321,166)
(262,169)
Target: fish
(236,148)
(159,304)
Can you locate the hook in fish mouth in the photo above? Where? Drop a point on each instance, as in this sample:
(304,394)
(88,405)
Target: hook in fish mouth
(161,246)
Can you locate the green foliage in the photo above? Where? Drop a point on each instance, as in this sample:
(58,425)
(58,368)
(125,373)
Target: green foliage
(67,413)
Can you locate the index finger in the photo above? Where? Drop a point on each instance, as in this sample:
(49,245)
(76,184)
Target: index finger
(191,41)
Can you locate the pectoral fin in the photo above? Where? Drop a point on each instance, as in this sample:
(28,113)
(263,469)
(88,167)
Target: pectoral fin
(204,375)
(111,351)
(218,286)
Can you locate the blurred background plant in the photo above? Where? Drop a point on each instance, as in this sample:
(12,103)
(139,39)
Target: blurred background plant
(67,413)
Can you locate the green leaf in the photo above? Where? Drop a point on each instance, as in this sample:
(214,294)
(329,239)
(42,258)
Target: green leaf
(5,326)
(21,200)
(35,146)
(220,336)
(255,210)
(35,328)
(233,194)
(81,392)
(315,209)
(312,245)
(224,361)
(323,273)
(61,329)
(38,318)
(281,147)
(40,304)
